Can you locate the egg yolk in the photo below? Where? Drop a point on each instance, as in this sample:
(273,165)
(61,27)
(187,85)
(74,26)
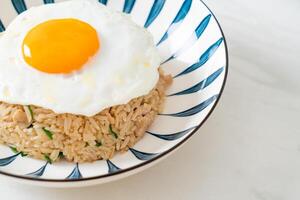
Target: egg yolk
(60,45)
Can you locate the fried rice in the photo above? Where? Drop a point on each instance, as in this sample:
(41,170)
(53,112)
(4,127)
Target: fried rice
(43,134)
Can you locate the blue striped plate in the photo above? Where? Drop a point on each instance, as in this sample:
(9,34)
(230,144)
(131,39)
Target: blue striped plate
(194,52)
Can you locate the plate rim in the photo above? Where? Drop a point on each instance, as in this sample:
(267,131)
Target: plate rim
(163,154)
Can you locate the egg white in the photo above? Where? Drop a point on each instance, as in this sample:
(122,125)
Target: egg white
(125,66)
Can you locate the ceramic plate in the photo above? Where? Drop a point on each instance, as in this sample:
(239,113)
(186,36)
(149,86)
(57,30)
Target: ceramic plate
(194,52)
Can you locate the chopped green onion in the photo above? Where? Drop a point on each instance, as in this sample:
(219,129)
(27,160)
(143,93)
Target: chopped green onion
(14,149)
(98,144)
(30,126)
(48,159)
(48,133)
(114,134)
(61,155)
(31,112)
(23,154)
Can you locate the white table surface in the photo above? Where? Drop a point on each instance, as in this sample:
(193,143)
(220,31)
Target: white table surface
(250,147)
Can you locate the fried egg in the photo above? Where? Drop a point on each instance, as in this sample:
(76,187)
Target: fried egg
(76,57)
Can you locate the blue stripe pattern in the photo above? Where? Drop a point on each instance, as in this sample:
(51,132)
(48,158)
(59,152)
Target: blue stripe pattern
(2,28)
(19,5)
(48,1)
(154,12)
(202,26)
(75,174)
(203,59)
(194,110)
(8,160)
(183,11)
(39,172)
(112,168)
(104,2)
(142,155)
(194,37)
(174,136)
(128,6)
(200,86)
